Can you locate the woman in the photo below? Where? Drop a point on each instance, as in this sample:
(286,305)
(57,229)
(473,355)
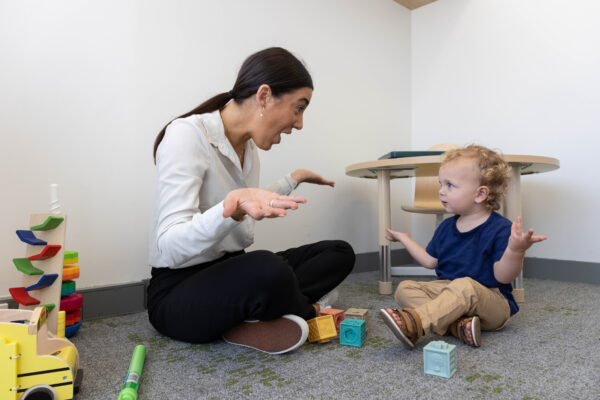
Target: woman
(204,285)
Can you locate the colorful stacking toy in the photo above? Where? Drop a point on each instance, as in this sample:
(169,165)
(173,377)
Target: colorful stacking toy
(37,361)
(71,302)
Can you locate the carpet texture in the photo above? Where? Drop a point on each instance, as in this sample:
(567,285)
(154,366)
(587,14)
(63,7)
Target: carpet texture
(549,350)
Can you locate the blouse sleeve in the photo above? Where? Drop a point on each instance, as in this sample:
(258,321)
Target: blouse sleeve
(283,186)
(183,231)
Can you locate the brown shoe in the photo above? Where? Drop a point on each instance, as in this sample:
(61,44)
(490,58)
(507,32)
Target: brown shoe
(274,337)
(411,329)
(459,329)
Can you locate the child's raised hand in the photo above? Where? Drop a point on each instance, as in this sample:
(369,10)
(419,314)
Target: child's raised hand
(395,236)
(520,241)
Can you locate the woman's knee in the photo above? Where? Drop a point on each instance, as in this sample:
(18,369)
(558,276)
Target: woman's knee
(269,271)
(345,254)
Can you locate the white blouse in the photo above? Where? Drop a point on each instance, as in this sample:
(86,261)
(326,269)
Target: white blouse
(196,167)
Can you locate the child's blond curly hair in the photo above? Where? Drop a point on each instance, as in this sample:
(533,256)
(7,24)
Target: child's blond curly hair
(494,172)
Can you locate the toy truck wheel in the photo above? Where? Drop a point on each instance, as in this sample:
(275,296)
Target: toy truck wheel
(40,392)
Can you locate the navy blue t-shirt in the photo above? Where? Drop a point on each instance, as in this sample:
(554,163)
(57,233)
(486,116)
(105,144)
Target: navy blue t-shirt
(473,254)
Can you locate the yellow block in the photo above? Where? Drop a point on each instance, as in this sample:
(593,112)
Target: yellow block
(321,328)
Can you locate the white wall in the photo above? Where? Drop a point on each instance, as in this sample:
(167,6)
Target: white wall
(522,77)
(86,85)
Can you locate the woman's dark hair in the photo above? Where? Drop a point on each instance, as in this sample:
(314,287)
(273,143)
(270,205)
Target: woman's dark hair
(274,66)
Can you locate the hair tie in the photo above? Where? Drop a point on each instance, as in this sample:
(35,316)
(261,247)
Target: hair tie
(231,94)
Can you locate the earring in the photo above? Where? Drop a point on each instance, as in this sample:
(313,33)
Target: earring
(261,112)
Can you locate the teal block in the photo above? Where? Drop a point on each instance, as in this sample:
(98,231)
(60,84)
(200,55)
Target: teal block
(353,332)
(439,358)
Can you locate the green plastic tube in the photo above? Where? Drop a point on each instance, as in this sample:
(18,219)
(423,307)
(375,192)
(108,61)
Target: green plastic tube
(131,385)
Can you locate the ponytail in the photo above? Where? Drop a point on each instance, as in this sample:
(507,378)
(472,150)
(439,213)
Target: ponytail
(213,104)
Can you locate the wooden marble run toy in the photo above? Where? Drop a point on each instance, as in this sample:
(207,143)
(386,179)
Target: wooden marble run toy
(42,266)
(35,363)
(321,329)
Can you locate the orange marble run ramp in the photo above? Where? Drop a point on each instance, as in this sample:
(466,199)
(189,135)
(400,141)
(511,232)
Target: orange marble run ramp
(48,252)
(21,296)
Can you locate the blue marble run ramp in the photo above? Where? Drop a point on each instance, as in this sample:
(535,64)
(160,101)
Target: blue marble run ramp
(29,238)
(44,282)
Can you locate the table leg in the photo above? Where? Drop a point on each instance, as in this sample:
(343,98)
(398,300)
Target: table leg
(385,262)
(512,209)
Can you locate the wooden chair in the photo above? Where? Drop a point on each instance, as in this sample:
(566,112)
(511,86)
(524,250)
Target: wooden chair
(426,198)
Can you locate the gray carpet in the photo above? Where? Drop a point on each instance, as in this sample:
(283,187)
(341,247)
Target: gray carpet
(549,350)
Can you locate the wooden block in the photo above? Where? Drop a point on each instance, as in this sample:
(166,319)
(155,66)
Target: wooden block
(358,313)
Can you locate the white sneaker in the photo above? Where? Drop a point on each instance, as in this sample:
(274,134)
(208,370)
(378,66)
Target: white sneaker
(274,337)
(328,300)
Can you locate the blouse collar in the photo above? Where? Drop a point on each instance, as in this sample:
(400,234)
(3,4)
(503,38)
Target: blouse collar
(215,133)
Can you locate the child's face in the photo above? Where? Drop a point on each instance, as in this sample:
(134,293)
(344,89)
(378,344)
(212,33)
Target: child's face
(460,191)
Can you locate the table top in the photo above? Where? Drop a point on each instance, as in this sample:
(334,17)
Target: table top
(405,167)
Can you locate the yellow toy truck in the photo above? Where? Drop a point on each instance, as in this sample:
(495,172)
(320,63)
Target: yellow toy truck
(34,364)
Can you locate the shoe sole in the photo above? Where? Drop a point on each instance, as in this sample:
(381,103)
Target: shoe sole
(389,321)
(476,331)
(274,337)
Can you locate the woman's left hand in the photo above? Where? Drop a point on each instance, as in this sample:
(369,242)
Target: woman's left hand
(304,175)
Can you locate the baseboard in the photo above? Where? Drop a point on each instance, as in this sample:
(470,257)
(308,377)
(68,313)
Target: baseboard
(108,301)
(127,298)
(561,270)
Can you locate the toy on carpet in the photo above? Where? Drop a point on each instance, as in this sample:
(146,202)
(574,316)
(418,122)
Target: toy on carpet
(71,302)
(439,358)
(338,316)
(37,362)
(34,363)
(353,332)
(131,385)
(358,313)
(321,329)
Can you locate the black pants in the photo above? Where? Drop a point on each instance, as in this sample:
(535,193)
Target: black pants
(197,304)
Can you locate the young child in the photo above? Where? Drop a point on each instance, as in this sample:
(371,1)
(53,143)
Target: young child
(476,254)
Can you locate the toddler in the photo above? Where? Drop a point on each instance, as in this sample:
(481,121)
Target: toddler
(476,254)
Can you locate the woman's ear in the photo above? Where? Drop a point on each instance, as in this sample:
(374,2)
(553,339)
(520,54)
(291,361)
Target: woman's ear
(481,194)
(263,94)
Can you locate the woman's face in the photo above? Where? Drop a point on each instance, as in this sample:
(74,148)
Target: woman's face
(281,115)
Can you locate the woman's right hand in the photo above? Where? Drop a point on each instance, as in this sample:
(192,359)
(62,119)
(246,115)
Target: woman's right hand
(258,204)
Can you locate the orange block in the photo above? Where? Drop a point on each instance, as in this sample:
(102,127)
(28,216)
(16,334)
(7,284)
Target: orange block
(70,272)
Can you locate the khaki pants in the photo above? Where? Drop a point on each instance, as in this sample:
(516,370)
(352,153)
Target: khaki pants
(440,303)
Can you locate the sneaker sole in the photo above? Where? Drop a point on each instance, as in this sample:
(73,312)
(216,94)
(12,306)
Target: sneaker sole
(274,337)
